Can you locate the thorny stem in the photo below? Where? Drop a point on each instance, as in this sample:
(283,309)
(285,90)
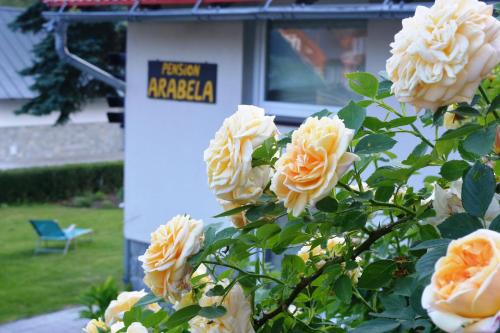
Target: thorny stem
(417,131)
(307,280)
(487,100)
(257,276)
(379,203)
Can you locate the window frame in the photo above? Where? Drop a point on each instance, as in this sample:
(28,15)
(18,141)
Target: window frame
(286,113)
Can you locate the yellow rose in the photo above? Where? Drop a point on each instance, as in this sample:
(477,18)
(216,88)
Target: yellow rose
(125,301)
(443,52)
(464,294)
(313,163)
(229,155)
(167,272)
(447,202)
(237,318)
(94,325)
(333,248)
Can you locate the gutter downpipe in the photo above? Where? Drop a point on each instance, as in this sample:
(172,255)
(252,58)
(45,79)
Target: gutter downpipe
(60,38)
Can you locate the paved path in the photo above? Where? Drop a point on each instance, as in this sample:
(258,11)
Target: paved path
(65,321)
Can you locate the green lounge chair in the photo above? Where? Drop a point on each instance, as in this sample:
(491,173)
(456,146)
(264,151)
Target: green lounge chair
(50,230)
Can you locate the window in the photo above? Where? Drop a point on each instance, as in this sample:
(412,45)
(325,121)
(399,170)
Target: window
(305,61)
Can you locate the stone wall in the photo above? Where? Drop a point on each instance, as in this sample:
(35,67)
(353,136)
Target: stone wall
(26,146)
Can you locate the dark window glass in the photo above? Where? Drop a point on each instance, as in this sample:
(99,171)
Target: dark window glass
(306,60)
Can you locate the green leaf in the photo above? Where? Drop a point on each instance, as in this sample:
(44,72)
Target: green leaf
(212,312)
(459,132)
(459,225)
(453,170)
(343,288)
(321,114)
(465,111)
(481,141)
(327,204)
(265,153)
(234,211)
(351,220)
(363,83)
(271,209)
(377,274)
(292,267)
(478,189)
(148,299)
(425,265)
(384,193)
(388,176)
(495,224)
(417,152)
(402,121)
(183,316)
(379,325)
(384,89)
(217,290)
(428,244)
(266,231)
(353,115)
(374,143)
(373,123)
(495,104)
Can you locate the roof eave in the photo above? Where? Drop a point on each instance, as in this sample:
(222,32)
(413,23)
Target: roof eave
(290,12)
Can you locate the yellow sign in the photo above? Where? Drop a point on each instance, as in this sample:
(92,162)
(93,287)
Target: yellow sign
(182,81)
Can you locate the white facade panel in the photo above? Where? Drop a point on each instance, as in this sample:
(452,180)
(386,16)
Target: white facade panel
(165,140)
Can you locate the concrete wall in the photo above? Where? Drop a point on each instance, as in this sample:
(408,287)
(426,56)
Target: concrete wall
(165,140)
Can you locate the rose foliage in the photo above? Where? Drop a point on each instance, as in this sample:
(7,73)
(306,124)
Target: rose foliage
(334,232)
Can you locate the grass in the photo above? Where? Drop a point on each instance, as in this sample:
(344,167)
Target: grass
(33,284)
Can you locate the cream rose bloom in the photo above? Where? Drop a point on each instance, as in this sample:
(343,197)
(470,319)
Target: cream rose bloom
(447,202)
(125,301)
(443,52)
(313,163)
(229,155)
(94,325)
(167,272)
(333,248)
(464,294)
(117,326)
(136,328)
(237,318)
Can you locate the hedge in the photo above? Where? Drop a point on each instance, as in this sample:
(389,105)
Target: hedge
(55,183)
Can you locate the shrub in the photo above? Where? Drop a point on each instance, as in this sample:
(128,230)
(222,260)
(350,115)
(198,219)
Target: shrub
(59,182)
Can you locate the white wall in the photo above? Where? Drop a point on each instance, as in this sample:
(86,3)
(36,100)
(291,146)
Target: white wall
(165,140)
(93,112)
(165,172)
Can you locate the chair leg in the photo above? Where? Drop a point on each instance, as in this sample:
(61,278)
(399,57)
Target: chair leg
(38,246)
(66,247)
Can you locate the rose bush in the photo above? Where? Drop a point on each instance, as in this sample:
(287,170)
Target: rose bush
(332,231)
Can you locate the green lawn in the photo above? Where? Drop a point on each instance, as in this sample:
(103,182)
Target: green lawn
(32,284)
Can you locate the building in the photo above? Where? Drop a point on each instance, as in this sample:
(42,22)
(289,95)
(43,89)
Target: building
(26,140)
(288,57)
